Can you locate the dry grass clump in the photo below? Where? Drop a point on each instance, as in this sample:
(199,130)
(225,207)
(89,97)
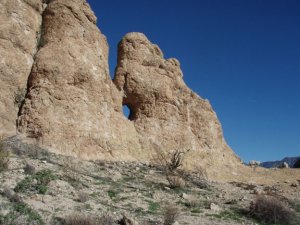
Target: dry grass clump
(171,213)
(29,169)
(271,210)
(200,177)
(4,157)
(19,96)
(83,197)
(175,181)
(170,162)
(80,219)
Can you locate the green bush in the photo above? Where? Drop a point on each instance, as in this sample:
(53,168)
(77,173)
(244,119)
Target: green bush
(4,157)
(20,213)
(42,179)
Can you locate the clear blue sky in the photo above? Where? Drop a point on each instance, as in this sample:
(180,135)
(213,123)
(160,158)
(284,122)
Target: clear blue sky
(242,55)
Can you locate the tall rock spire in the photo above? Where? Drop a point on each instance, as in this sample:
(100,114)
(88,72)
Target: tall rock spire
(20,26)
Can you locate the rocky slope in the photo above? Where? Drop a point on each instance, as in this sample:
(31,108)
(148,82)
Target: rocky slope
(72,106)
(45,188)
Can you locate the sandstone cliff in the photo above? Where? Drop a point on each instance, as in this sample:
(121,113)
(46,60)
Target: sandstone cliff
(166,113)
(74,108)
(20,25)
(71,105)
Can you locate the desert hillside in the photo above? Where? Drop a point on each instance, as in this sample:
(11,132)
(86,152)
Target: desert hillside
(39,187)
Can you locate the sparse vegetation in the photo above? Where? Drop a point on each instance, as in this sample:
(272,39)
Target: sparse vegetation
(4,157)
(171,213)
(271,210)
(20,213)
(83,197)
(112,194)
(19,96)
(37,182)
(200,178)
(80,219)
(136,188)
(69,171)
(29,169)
(175,181)
(153,207)
(229,214)
(170,162)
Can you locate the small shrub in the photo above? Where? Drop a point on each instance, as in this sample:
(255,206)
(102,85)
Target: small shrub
(200,177)
(80,219)
(37,182)
(83,197)
(44,176)
(20,213)
(192,203)
(36,152)
(106,220)
(7,192)
(24,185)
(169,161)
(175,181)
(171,213)
(112,194)
(19,96)
(4,157)
(271,210)
(69,171)
(15,198)
(29,169)
(153,207)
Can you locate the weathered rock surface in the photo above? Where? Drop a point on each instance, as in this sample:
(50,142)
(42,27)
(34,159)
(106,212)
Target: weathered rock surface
(73,107)
(165,112)
(71,104)
(20,24)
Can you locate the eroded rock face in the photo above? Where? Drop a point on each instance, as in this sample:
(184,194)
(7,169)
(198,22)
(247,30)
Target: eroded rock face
(165,112)
(20,25)
(71,105)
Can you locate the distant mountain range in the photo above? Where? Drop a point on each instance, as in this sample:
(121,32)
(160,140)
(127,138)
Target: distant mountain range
(289,160)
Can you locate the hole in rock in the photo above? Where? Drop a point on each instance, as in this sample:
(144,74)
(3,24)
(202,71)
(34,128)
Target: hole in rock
(126,111)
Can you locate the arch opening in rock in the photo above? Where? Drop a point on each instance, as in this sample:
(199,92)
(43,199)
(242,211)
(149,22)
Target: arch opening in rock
(126,111)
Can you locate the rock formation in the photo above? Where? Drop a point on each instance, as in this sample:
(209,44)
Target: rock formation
(166,113)
(20,24)
(73,107)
